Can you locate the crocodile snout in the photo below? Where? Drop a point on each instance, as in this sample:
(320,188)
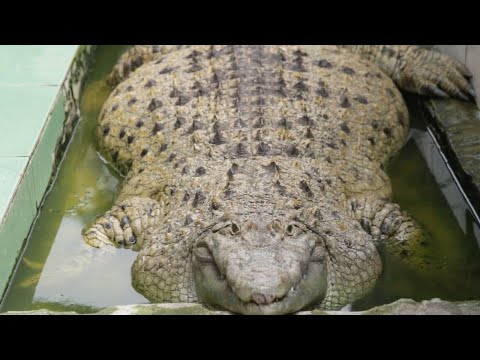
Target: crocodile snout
(261,286)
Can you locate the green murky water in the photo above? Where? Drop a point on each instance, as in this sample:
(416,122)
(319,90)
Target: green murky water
(58,271)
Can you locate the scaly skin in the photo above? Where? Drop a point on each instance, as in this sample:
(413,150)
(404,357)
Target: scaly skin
(254,176)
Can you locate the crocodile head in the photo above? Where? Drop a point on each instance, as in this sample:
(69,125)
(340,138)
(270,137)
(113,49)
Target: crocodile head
(260,266)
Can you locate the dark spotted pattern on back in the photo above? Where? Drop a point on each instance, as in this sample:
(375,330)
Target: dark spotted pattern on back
(240,89)
(219,133)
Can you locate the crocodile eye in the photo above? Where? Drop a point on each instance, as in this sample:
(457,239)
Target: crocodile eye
(203,253)
(220,227)
(235,229)
(294,230)
(226,228)
(290,230)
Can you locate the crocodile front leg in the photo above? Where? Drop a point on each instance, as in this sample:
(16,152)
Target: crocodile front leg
(139,208)
(125,225)
(418,70)
(394,231)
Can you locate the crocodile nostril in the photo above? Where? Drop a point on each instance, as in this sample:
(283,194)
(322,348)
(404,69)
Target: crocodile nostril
(263,299)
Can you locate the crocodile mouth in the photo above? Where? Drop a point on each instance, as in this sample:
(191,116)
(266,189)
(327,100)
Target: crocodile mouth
(214,289)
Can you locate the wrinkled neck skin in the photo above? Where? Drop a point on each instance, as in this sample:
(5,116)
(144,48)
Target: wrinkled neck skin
(269,239)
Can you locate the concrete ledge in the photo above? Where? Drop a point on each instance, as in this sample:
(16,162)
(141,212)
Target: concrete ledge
(399,307)
(457,127)
(39,94)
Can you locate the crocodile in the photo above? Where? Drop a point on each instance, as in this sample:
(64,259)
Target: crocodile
(254,175)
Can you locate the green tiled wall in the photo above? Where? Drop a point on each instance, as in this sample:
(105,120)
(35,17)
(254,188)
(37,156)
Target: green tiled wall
(42,65)
(32,114)
(43,158)
(23,111)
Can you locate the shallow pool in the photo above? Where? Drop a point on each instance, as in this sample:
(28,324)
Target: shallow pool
(58,271)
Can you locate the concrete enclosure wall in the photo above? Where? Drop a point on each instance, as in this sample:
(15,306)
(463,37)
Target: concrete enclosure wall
(468,55)
(39,96)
